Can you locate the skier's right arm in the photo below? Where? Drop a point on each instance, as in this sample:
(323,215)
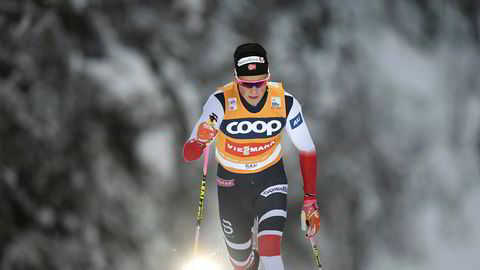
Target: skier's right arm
(205,130)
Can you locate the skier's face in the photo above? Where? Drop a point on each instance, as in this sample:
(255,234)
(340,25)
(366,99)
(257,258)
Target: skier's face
(252,92)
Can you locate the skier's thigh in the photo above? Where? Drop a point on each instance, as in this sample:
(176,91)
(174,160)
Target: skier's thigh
(236,225)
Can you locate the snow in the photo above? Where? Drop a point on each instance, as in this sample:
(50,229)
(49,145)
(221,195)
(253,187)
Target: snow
(125,73)
(155,149)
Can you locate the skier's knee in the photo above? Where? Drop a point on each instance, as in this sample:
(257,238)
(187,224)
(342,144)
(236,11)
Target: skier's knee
(269,245)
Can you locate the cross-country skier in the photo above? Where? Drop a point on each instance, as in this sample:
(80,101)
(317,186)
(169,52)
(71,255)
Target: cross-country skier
(250,115)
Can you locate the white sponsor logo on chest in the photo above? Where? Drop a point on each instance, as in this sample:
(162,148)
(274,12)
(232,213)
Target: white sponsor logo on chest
(245,127)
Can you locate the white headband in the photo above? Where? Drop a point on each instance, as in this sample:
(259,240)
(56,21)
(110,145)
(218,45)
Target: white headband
(250,59)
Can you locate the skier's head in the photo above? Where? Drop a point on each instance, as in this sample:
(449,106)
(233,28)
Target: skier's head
(250,59)
(251,71)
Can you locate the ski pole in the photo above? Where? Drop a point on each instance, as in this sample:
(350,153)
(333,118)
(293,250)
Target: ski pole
(202,199)
(316,253)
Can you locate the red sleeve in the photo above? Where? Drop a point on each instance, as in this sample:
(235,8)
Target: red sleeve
(192,150)
(308,167)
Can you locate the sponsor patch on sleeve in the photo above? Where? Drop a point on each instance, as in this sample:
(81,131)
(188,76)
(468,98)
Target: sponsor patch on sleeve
(296,121)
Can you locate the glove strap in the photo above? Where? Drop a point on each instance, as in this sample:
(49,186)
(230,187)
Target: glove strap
(309,198)
(200,143)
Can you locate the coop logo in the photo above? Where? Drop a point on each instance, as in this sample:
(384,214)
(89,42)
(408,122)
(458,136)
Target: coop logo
(252,128)
(260,127)
(247,150)
(282,188)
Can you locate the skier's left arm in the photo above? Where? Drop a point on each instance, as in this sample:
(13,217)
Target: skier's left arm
(297,130)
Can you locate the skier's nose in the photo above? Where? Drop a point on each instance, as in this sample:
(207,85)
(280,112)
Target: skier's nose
(255,90)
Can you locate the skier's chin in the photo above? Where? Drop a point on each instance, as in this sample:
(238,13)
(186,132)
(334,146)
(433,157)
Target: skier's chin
(253,101)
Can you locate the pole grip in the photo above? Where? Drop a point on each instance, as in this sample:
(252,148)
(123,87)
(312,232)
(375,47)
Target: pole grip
(205,159)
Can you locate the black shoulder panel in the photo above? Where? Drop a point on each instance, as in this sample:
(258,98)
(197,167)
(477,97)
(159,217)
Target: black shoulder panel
(221,97)
(289,103)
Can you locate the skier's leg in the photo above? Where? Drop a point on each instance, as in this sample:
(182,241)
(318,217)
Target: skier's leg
(272,213)
(236,224)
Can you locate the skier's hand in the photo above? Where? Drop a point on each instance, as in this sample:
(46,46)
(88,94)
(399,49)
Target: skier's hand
(310,217)
(206,133)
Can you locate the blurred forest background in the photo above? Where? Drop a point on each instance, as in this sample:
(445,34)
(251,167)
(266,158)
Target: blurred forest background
(98,97)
